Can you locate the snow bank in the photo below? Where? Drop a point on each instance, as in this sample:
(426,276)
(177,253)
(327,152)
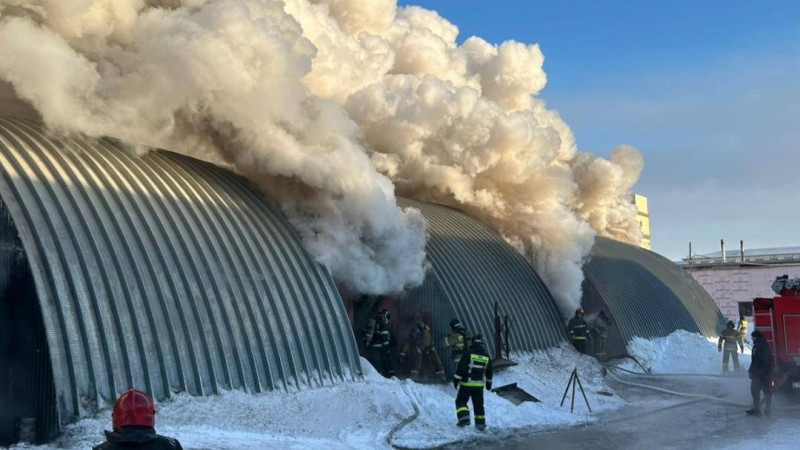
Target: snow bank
(359,415)
(682,352)
(542,374)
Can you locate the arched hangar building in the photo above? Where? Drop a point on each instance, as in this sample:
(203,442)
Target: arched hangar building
(645,295)
(471,269)
(160,272)
(168,274)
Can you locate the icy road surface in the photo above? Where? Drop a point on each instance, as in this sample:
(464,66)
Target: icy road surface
(653,420)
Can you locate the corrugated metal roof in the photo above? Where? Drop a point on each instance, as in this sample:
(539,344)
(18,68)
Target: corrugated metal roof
(473,267)
(166,274)
(647,295)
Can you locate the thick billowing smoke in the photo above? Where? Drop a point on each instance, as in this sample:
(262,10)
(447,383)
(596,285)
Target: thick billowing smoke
(332,105)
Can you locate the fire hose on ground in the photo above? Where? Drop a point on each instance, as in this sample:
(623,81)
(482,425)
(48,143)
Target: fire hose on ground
(610,368)
(408,420)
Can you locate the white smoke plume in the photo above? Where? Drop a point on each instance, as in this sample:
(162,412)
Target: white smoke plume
(332,105)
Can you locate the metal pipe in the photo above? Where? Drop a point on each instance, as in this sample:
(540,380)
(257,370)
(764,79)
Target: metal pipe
(741,248)
(722,244)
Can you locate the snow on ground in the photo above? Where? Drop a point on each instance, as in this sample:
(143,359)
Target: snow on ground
(360,415)
(543,374)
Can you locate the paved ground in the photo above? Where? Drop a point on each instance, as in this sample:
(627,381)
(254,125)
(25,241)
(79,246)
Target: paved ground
(655,420)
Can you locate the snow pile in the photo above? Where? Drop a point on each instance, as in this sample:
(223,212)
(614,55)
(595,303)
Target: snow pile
(359,415)
(542,374)
(682,352)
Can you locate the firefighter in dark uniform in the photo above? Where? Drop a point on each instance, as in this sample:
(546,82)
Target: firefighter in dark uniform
(474,373)
(760,374)
(457,341)
(378,340)
(420,346)
(133,419)
(600,332)
(578,331)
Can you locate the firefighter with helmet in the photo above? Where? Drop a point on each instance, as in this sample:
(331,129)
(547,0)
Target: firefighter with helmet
(729,338)
(420,346)
(474,373)
(457,341)
(742,327)
(578,331)
(133,419)
(378,340)
(600,332)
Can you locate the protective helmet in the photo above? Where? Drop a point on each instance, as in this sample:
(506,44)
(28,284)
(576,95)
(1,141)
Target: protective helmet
(133,408)
(741,316)
(420,325)
(455,324)
(756,334)
(579,311)
(477,340)
(731,324)
(385,313)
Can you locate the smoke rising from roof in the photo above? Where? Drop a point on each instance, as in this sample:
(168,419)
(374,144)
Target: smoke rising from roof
(332,105)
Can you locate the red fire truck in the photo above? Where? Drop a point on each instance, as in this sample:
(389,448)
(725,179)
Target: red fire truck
(778,319)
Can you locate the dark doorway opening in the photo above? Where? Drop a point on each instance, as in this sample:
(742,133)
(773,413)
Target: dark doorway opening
(27,393)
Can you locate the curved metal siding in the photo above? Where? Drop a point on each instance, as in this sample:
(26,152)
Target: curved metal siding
(475,268)
(646,294)
(165,273)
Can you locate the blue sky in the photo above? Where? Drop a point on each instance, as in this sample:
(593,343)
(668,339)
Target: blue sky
(709,91)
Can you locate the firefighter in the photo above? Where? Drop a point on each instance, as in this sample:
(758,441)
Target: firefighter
(600,331)
(578,331)
(420,346)
(473,374)
(457,341)
(730,338)
(760,374)
(133,419)
(741,328)
(378,340)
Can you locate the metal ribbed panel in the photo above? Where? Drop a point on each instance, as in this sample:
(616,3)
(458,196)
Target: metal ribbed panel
(475,268)
(166,274)
(647,295)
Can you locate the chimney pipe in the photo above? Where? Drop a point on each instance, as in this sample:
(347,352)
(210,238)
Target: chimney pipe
(741,248)
(690,250)
(722,244)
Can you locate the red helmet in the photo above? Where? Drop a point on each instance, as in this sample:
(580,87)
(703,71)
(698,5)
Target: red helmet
(579,311)
(133,408)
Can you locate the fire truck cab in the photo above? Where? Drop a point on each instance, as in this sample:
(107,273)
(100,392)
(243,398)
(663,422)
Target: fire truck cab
(778,319)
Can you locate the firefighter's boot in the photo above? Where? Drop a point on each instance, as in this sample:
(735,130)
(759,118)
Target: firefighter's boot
(753,412)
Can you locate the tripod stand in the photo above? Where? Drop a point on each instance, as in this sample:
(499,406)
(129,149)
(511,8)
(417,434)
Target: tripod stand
(573,380)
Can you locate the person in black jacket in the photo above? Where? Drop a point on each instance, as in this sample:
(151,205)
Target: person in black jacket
(578,331)
(473,374)
(133,419)
(760,374)
(378,340)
